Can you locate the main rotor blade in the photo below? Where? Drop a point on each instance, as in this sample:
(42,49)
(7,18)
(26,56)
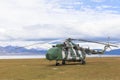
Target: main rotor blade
(43,43)
(95,42)
(33,44)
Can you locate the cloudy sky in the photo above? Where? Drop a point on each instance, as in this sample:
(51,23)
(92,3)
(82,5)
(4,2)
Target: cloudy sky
(39,19)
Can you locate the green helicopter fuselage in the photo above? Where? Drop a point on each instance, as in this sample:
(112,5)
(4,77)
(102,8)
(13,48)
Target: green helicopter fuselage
(54,53)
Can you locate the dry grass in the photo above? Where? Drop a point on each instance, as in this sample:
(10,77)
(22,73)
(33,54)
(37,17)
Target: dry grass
(41,69)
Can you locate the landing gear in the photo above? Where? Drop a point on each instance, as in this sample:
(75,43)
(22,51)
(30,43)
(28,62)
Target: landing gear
(63,62)
(57,63)
(83,62)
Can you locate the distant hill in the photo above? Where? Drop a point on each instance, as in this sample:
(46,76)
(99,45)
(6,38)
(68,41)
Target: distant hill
(113,52)
(15,50)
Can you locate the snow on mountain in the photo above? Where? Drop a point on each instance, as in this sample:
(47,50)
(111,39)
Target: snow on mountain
(15,50)
(39,45)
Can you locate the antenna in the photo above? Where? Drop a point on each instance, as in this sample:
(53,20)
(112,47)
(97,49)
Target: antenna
(108,39)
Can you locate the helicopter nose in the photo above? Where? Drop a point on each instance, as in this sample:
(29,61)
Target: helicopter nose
(49,56)
(53,54)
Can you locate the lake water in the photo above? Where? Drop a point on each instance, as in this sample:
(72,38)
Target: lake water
(43,56)
(22,57)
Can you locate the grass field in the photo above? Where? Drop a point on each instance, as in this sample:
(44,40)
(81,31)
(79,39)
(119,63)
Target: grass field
(41,69)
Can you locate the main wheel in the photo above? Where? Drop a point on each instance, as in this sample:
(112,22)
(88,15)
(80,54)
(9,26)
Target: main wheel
(63,62)
(57,64)
(83,62)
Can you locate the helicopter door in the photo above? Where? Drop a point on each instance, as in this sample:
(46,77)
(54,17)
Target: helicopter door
(69,56)
(74,52)
(63,54)
(71,53)
(80,53)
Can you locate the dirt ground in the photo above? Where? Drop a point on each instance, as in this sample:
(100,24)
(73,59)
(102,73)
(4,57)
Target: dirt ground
(42,69)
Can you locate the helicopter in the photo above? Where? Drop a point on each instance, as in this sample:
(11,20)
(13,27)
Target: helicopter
(71,52)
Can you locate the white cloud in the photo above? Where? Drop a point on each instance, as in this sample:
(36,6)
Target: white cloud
(32,19)
(98,0)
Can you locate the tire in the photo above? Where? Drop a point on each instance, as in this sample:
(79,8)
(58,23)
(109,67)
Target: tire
(83,62)
(63,62)
(57,64)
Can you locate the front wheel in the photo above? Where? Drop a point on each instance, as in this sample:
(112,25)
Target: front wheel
(83,62)
(57,64)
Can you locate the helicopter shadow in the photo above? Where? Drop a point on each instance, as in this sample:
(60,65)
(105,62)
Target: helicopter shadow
(67,64)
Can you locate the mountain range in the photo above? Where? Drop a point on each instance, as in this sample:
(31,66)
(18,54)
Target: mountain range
(15,50)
